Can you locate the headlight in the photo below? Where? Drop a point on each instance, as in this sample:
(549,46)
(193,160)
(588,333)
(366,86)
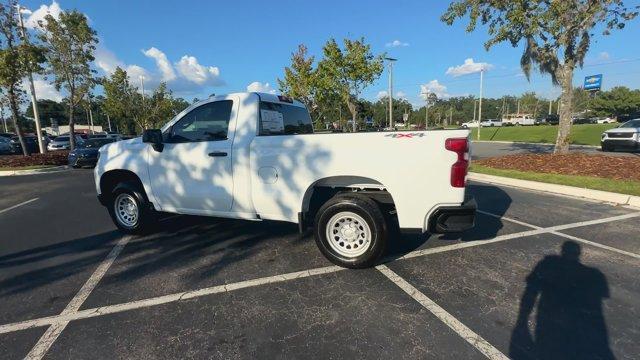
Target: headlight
(604,135)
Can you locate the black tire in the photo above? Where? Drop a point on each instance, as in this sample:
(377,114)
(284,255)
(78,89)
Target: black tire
(606,148)
(366,209)
(146,216)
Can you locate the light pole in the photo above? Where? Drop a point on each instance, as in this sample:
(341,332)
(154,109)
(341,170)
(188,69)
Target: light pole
(480,101)
(391,61)
(426,109)
(32,90)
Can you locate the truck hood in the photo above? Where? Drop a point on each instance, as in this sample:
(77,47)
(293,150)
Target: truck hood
(622,130)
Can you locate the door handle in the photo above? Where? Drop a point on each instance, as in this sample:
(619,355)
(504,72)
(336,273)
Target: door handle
(218,153)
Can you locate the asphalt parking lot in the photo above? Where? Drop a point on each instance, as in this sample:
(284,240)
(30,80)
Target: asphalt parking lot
(539,277)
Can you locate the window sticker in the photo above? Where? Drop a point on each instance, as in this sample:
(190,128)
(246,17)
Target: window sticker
(272,121)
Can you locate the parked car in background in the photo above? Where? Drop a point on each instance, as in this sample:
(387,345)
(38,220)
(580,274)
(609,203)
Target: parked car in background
(5,146)
(469,124)
(518,119)
(114,135)
(606,120)
(582,121)
(491,123)
(63,143)
(623,137)
(30,141)
(86,153)
(7,135)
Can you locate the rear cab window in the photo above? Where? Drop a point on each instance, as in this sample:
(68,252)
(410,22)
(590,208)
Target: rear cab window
(283,119)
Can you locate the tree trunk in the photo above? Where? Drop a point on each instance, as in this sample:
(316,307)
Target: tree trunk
(72,129)
(354,113)
(566,106)
(13,103)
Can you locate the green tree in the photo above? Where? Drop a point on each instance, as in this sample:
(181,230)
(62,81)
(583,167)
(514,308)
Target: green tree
(616,102)
(49,110)
(556,36)
(348,71)
(123,101)
(17,59)
(299,80)
(70,43)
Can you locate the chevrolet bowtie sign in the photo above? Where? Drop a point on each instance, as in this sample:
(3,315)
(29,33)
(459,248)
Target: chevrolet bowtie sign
(593,82)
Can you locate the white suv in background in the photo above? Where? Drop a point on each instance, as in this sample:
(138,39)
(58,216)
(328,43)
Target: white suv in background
(624,137)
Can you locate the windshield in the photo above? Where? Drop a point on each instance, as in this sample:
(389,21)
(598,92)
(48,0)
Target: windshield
(4,140)
(635,123)
(61,138)
(95,143)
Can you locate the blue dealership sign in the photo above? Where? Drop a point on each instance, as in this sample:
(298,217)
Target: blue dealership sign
(593,82)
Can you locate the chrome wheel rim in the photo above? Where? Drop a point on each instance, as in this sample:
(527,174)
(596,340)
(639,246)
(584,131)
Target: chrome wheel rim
(126,210)
(348,234)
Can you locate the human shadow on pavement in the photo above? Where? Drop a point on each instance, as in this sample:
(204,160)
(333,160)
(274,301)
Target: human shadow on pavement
(569,320)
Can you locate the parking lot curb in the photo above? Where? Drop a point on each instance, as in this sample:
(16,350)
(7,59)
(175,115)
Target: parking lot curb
(534,143)
(598,195)
(34,171)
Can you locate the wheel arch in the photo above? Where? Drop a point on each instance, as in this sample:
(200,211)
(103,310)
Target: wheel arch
(110,179)
(321,190)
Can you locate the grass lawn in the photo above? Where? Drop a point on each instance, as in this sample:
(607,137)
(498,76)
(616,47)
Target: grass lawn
(618,186)
(32,167)
(587,134)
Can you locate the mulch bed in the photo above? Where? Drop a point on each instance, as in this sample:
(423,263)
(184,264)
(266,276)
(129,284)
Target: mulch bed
(610,167)
(51,158)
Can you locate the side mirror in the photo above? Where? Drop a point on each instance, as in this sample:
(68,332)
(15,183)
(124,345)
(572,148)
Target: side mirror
(153,137)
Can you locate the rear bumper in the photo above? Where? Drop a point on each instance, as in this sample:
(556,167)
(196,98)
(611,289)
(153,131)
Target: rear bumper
(449,219)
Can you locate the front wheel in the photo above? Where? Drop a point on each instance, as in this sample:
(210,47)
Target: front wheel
(130,210)
(350,231)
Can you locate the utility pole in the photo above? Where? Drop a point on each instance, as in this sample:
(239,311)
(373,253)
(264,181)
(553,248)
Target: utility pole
(34,100)
(426,109)
(109,122)
(391,61)
(518,107)
(480,102)
(550,105)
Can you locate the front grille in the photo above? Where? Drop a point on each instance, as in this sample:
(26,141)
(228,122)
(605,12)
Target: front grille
(622,135)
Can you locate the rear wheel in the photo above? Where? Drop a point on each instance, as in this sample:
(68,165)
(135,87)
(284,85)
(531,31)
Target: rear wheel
(350,231)
(130,210)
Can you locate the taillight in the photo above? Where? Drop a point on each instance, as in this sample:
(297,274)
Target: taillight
(459,169)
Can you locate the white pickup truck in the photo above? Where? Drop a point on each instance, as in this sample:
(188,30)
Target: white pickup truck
(254,156)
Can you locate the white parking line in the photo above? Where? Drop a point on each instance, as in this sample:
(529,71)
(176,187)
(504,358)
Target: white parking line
(18,205)
(52,333)
(566,236)
(467,334)
(117,308)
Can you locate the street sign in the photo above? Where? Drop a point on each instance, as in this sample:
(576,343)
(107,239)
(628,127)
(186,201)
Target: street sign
(593,82)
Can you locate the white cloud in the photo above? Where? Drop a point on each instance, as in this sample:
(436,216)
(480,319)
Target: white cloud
(433,87)
(381,94)
(191,70)
(186,77)
(396,43)
(469,67)
(31,21)
(44,90)
(257,86)
(604,56)
(400,95)
(162,63)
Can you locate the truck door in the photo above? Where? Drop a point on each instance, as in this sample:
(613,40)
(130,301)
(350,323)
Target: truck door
(193,172)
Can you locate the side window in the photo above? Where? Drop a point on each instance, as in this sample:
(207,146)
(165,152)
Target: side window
(282,119)
(208,122)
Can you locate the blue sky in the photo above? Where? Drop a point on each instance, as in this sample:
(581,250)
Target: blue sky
(204,47)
